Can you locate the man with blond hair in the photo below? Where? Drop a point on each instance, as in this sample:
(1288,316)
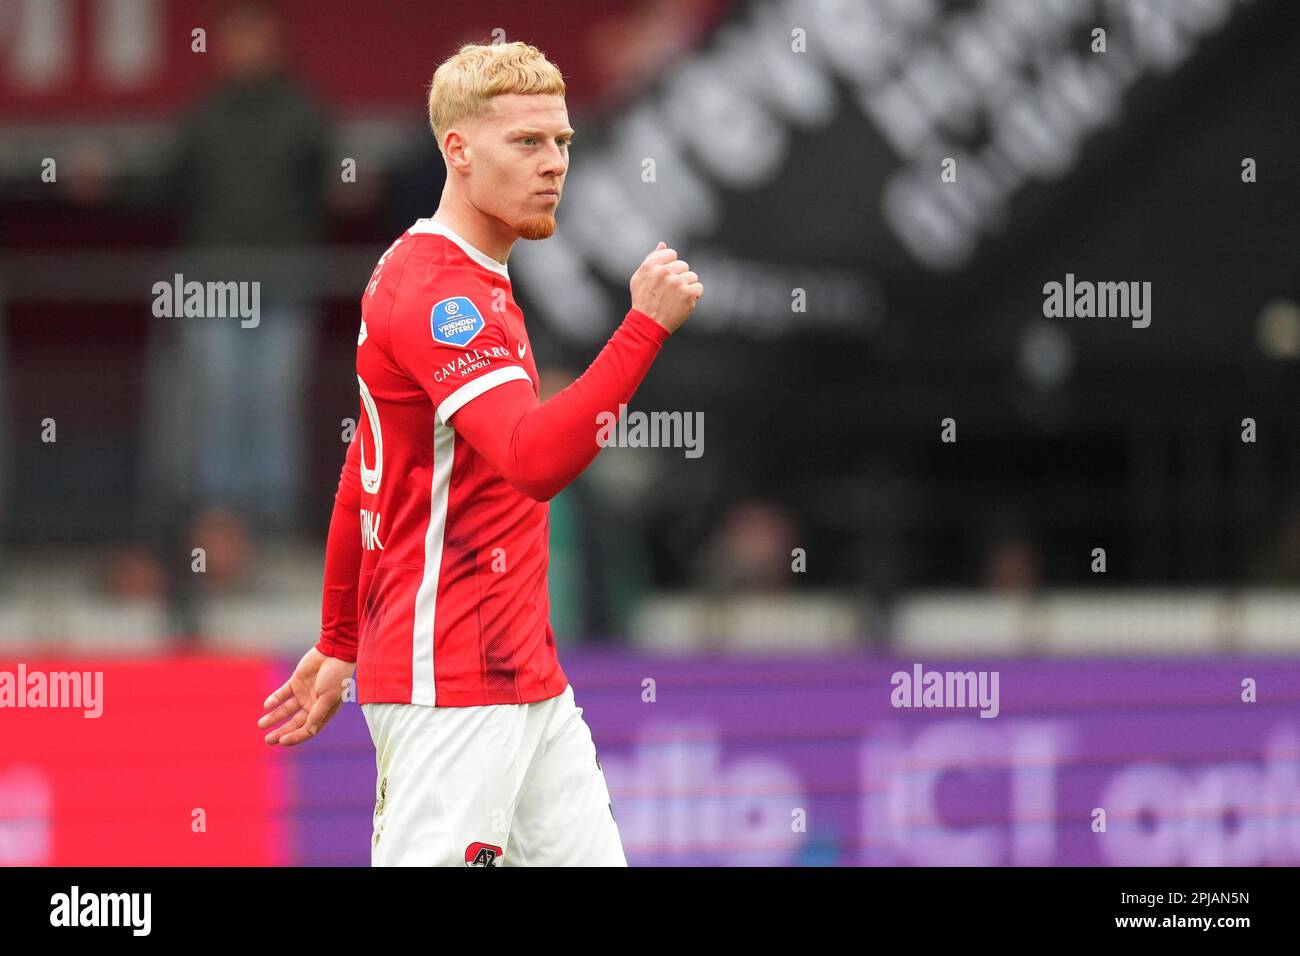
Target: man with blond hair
(440,600)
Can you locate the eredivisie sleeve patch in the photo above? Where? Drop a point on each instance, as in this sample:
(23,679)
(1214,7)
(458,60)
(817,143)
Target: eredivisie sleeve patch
(456,321)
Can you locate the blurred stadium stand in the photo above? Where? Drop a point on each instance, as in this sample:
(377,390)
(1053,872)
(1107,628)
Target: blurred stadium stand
(1069,438)
(776,172)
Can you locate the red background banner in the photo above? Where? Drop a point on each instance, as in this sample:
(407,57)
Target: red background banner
(176,735)
(69,60)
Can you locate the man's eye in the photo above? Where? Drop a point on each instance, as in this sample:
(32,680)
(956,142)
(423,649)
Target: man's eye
(528,141)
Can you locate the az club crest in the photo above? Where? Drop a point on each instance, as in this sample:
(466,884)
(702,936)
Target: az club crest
(482,854)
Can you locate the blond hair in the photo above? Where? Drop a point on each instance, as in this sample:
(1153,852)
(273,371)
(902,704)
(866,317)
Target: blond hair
(465,83)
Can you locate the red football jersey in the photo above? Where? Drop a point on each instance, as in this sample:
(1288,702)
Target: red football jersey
(452,595)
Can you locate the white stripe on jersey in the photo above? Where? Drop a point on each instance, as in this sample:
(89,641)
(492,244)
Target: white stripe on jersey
(423,687)
(472,390)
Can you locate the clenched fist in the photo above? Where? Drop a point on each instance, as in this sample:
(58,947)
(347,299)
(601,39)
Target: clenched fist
(665,288)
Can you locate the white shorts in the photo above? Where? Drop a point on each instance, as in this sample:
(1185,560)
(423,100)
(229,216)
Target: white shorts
(492,785)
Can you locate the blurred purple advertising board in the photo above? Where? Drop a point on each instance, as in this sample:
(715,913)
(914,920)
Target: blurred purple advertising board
(726,762)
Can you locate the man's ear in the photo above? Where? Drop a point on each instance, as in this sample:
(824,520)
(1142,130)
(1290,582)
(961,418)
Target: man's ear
(456,149)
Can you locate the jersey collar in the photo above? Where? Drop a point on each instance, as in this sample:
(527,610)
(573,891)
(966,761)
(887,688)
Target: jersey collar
(482,258)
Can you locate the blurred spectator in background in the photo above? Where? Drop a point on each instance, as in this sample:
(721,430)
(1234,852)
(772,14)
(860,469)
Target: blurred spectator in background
(751,550)
(1281,564)
(1012,566)
(628,49)
(249,184)
(1010,563)
(6,441)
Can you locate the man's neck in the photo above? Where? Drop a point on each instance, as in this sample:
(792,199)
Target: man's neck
(488,235)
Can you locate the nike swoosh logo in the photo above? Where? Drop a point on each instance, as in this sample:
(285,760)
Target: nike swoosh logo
(522,349)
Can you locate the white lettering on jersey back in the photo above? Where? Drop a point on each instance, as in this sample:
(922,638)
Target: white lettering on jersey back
(379,267)
(370,530)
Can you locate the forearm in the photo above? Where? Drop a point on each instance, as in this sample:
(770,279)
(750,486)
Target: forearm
(338,632)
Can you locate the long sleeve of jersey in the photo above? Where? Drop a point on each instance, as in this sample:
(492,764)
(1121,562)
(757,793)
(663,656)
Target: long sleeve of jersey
(338,616)
(541,447)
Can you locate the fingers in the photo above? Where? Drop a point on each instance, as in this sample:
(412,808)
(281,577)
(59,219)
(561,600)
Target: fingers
(660,256)
(680,270)
(287,709)
(665,281)
(279,735)
(310,726)
(280,696)
(325,708)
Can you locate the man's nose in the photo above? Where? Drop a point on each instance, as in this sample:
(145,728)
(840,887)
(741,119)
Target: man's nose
(555,162)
